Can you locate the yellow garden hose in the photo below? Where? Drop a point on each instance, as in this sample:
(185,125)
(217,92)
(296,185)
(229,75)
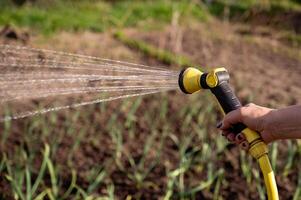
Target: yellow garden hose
(269,177)
(258,149)
(192,80)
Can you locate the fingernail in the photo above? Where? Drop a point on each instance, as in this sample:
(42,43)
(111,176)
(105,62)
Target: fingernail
(244,145)
(219,124)
(240,137)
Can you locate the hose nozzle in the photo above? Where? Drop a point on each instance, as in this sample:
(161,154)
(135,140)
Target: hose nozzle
(189,80)
(192,80)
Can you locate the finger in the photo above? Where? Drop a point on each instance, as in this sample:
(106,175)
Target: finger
(239,138)
(244,145)
(231,118)
(219,124)
(231,137)
(226,132)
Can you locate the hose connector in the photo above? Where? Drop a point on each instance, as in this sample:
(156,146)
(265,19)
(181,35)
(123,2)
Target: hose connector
(257,147)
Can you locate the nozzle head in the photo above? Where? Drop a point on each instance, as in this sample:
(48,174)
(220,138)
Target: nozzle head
(189,80)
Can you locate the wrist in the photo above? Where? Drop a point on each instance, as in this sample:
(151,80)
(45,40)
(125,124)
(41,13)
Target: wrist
(271,124)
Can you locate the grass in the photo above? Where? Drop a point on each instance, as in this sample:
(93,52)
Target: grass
(271,7)
(164,56)
(51,16)
(192,170)
(98,17)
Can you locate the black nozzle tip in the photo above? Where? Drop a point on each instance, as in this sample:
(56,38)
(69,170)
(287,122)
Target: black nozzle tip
(181,82)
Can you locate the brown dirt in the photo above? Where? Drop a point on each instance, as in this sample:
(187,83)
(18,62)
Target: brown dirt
(290,20)
(261,73)
(263,69)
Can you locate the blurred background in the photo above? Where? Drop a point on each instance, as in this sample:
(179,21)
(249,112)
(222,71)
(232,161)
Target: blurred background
(162,146)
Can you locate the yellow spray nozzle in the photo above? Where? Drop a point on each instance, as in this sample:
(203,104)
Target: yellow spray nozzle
(189,80)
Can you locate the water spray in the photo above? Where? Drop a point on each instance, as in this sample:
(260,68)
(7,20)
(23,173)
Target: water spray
(192,80)
(52,77)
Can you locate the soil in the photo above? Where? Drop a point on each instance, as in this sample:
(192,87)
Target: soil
(272,68)
(290,20)
(261,72)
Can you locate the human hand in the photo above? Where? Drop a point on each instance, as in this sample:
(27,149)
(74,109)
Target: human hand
(254,117)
